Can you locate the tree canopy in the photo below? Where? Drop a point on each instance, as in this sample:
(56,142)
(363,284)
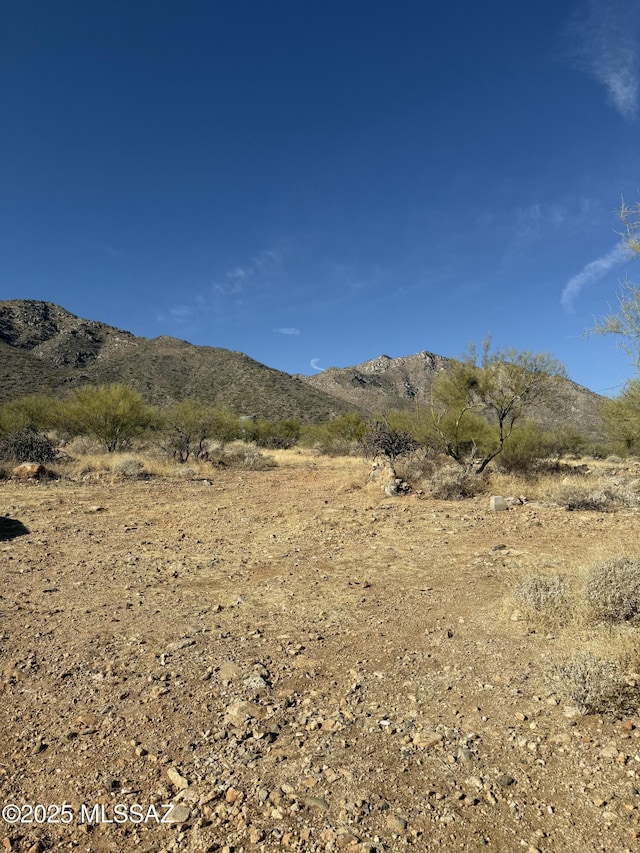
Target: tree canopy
(477,403)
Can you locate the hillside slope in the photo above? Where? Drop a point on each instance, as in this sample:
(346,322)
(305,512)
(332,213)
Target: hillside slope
(46,349)
(389,383)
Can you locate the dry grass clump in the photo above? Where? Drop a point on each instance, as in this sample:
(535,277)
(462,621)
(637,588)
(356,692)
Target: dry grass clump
(239,455)
(612,590)
(585,497)
(600,637)
(597,685)
(454,484)
(545,597)
(128,467)
(415,468)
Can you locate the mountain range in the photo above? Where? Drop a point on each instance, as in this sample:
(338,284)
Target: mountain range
(46,349)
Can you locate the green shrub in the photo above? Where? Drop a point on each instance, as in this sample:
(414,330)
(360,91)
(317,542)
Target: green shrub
(528,444)
(341,436)
(183,429)
(34,412)
(612,590)
(278,435)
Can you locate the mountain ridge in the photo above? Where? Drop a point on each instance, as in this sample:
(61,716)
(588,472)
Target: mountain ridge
(46,349)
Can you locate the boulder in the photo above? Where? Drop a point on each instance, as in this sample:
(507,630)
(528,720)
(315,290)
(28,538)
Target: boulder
(497,503)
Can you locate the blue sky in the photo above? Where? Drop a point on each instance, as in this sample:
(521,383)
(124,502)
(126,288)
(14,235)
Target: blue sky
(315,184)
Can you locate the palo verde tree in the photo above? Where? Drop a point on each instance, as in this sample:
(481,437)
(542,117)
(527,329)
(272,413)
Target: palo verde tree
(35,412)
(621,418)
(477,403)
(622,414)
(183,429)
(114,414)
(625,321)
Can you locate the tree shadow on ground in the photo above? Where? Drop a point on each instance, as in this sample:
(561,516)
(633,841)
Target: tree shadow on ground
(10,528)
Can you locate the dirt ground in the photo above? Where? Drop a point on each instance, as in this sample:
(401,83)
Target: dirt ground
(290,660)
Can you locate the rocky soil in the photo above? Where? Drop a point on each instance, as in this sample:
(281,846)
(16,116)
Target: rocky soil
(291,660)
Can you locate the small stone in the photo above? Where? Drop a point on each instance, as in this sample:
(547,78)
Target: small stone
(176,779)
(609,752)
(38,747)
(317,803)
(233,795)
(256,835)
(396,823)
(255,682)
(426,740)
(497,503)
(178,814)
(88,719)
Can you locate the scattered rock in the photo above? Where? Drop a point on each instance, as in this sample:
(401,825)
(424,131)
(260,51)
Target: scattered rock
(178,814)
(497,503)
(176,779)
(396,823)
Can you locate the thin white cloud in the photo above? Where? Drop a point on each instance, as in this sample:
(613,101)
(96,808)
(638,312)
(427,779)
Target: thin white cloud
(181,312)
(592,272)
(235,280)
(314,364)
(287,331)
(604,40)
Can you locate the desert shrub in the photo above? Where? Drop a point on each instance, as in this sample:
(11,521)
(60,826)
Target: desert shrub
(596,685)
(576,497)
(128,466)
(83,445)
(415,467)
(532,448)
(186,472)
(454,484)
(526,447)
(27,446)
(381,440)
(612,590)
(341,436)
(622,419)
(543,596)
(242,456)
(272,435)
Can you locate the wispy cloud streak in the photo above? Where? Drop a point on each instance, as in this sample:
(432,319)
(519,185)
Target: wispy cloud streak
(593,271)
(264,264)
(287,331)
(605,43)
